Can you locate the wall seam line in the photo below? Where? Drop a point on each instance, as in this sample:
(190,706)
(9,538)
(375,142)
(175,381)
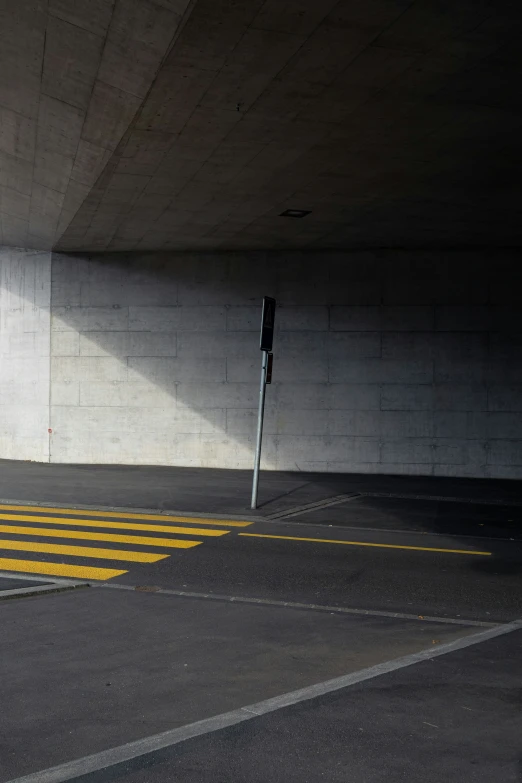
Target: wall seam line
(49,423)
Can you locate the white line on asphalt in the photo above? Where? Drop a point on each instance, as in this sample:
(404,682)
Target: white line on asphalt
(317,505)
(37,590)
(239,599)
(48,580)
(266,602)
(130,751)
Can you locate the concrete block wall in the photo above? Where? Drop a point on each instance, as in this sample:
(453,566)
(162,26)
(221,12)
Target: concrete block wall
(385,362)
(25,292)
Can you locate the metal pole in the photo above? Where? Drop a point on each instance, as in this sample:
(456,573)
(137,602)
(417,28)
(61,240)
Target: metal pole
(260,416)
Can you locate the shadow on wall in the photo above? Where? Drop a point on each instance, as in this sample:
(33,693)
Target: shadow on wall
(156,359)
(151,364)
(385,362)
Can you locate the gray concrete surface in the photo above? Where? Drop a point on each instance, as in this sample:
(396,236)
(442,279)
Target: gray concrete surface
(189,126)
(74,76)
(384,362)
(177,124)
(87,670)
(455,718)
(25,294)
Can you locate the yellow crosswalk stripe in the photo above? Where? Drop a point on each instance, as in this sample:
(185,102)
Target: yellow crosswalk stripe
(80,518)
(187,531)
(82,551)
(58,569)
(125,515)
(46,532)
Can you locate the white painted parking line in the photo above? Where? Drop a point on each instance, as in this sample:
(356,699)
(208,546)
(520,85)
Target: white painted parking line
(72,770)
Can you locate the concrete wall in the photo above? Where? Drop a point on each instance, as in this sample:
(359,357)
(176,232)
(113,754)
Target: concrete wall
(25,290)
(385,362)
(388,362)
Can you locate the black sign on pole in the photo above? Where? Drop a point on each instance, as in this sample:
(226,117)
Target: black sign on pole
(269,366)
(267,323)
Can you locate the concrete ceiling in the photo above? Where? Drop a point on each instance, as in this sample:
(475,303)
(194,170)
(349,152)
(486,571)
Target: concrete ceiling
(192,124)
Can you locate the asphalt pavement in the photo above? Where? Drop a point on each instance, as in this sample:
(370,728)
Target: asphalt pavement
(204,491)
(93,668)
(168,616)
(400,569)
(457,718)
